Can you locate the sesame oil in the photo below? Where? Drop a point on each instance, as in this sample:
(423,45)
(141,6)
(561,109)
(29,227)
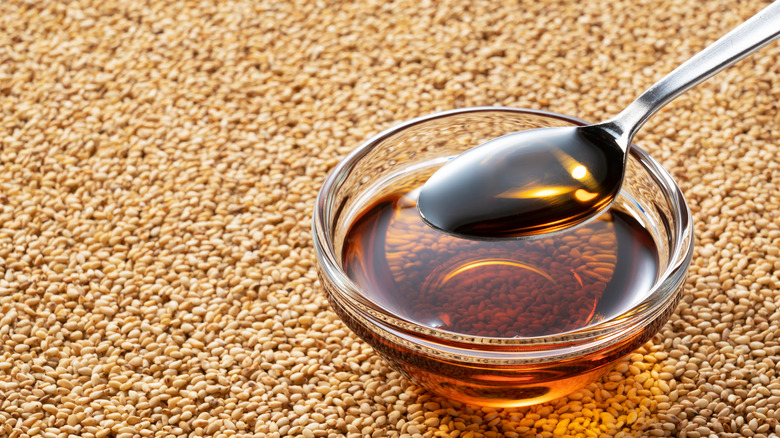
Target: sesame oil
(499,289)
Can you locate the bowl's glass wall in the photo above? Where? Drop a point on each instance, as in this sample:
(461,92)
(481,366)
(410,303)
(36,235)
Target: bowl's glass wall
(496,372)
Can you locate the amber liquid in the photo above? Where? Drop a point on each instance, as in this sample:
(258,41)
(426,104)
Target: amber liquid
(505,288)
(498,289)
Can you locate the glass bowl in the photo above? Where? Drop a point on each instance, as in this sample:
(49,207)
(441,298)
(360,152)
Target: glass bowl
(486,370)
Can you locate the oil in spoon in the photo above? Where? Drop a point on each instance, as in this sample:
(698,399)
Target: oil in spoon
(556,179)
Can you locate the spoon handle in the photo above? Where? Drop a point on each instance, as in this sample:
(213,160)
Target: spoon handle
(753,34)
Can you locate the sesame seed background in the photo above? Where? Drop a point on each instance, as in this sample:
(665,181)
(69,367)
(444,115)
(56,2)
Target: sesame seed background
(158,166)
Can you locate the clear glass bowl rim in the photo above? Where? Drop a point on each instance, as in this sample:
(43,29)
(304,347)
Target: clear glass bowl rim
(660,297)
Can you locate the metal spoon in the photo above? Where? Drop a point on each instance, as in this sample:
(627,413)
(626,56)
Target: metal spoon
(546,180)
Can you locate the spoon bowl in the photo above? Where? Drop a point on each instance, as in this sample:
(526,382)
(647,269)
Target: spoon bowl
(527,183)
